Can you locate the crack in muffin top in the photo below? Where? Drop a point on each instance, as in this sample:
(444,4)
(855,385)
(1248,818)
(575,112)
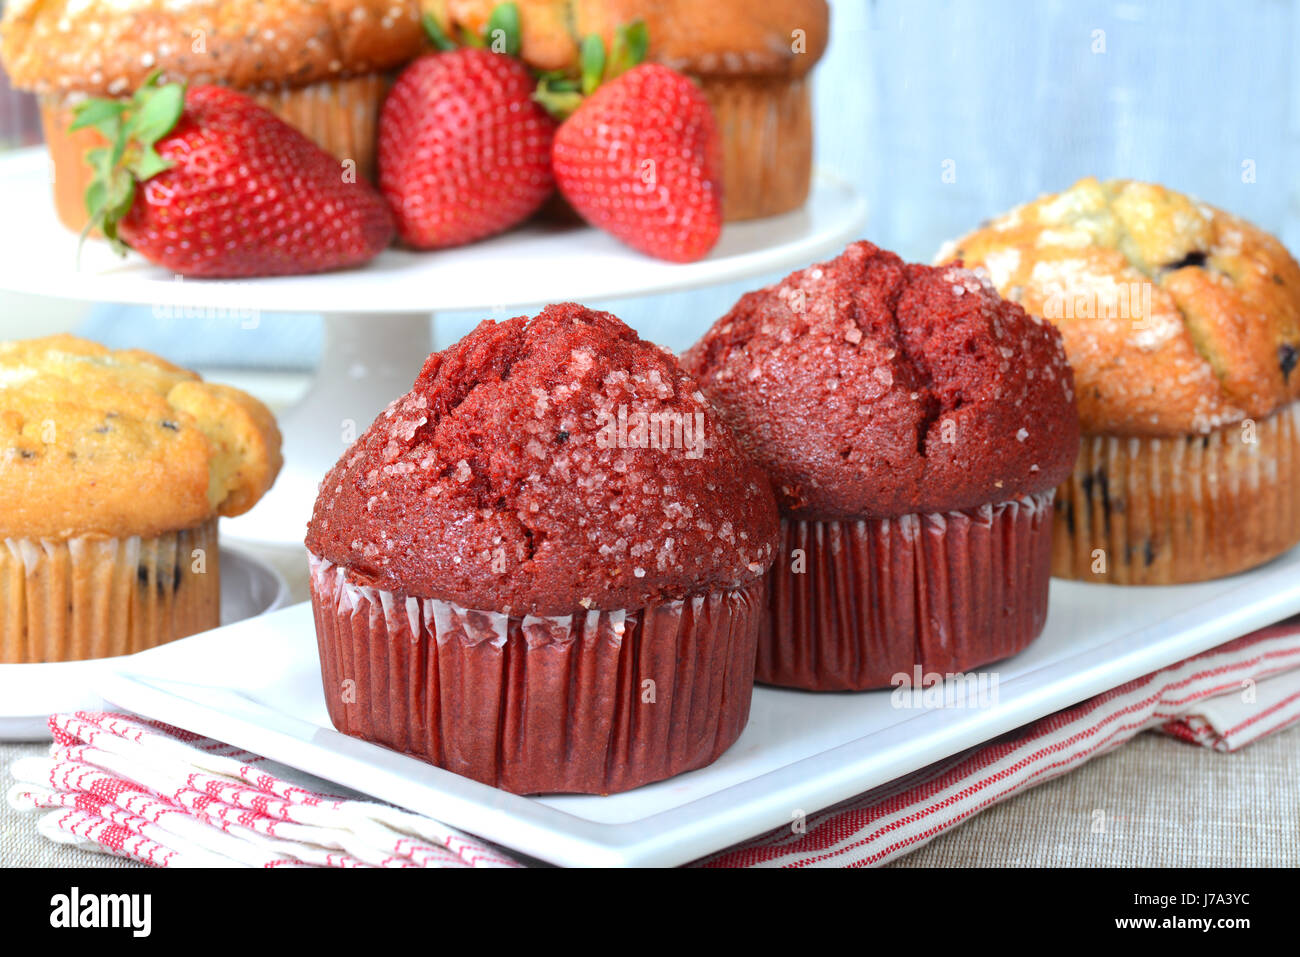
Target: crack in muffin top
(869,387)
(547,466)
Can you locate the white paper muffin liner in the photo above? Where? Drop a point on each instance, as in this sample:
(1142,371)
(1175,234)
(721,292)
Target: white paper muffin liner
(1162,511)
(93,597)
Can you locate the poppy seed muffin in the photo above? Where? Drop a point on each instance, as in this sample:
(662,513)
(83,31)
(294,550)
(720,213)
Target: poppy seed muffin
(914,425)
(1182,323)
(542,567)
(116,466)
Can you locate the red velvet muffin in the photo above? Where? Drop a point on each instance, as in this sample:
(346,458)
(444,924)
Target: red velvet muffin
(914,425)
(542,568)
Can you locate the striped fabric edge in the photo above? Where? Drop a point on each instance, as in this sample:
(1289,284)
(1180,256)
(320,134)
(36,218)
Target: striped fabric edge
(168,797)
(888,822)
(1195,729)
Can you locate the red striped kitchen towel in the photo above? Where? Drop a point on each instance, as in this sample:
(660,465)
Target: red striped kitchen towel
(144,790)
(140,789)
(1224,698)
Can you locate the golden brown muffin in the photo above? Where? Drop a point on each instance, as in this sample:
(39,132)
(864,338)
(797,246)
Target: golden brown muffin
(114,466)
(1182,323)
(751,59)
(320,64)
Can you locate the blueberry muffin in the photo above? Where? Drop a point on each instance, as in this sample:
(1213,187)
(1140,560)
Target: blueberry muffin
(1182,323)
(914,425)
(115,468)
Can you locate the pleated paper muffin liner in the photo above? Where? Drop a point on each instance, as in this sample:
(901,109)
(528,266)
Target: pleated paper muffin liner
(93,597)
(853,604)
(340,116)
(595,702)
(766,132)
(1160,511)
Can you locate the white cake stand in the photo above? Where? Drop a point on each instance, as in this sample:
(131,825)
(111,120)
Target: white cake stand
(376,318)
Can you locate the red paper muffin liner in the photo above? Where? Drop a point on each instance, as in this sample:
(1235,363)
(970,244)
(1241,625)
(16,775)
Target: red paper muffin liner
(879,597)
(592,703)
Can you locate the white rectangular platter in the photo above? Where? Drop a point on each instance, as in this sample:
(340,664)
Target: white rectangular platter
(256,685)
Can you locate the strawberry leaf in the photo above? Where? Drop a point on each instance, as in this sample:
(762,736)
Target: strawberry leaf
(100,160)
(156,115)
(96,194)
(504,24)
(437,36)
(557,76)
(118,197)
(631,41)
(132,129)
(558,94)
(109,199)
(592,59)
(150,164)
(102,115)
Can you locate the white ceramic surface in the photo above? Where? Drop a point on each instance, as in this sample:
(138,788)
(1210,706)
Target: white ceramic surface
(31,693)
(526,266)
(800,752)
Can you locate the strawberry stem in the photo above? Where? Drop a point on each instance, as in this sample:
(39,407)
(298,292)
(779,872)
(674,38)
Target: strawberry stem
(592,59)
(560,93)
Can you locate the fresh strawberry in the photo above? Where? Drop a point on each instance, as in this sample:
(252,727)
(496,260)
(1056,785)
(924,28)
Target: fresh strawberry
(641,159)
(464,152)
(207,183)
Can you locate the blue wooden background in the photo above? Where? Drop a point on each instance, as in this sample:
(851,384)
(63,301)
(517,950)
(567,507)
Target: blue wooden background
(1014,98)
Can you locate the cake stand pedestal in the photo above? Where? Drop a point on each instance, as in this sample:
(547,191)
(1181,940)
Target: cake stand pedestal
(377,331)
(367,361)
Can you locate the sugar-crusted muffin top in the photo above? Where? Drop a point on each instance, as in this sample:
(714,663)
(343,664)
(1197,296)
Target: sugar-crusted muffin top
(869,387)
(1178,317)
(546,466)
(109,47)
(120,443)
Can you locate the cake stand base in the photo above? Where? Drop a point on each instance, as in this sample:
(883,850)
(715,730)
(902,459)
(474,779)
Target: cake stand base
(367,361)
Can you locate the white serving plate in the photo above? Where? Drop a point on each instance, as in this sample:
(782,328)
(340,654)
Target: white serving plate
(29,694)
(256,685)
(536,263)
